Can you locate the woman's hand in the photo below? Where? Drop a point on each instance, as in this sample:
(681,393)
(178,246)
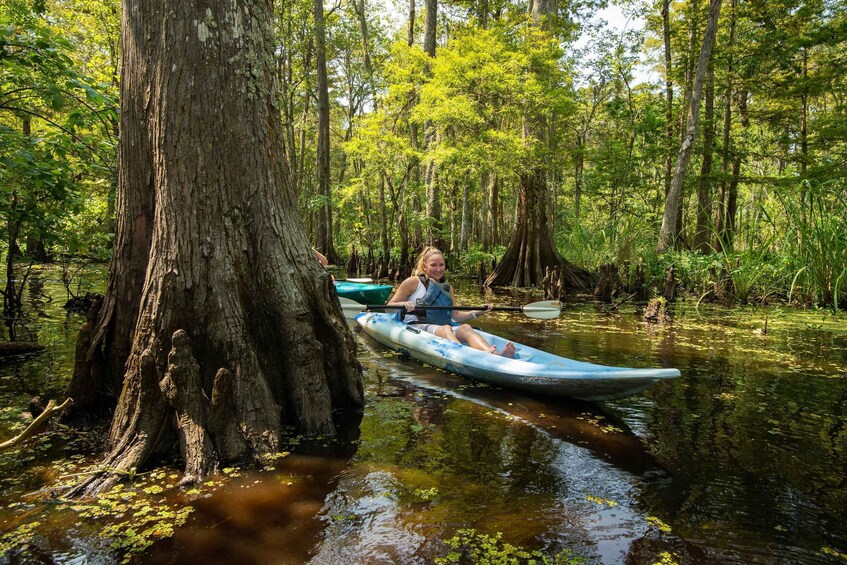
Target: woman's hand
(477,313)
(410,306)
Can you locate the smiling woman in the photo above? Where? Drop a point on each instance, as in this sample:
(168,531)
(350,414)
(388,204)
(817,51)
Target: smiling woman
(428,287)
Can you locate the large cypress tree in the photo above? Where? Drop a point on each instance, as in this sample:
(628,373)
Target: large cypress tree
(215,310)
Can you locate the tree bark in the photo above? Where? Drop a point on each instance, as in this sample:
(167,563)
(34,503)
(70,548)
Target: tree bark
(531,249)
(493,218)
(433,191)
(209,240)
(667,234)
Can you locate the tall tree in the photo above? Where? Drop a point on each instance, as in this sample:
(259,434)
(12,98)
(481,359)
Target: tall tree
(703,230)
(531,248)
(433,192)
(673,201)
(666,39)
(324,240)
(214,307)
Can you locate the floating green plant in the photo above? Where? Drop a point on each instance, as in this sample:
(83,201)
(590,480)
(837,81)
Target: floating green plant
(472,547)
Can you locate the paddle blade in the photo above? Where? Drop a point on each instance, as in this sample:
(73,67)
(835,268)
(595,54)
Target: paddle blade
(543,310)
(350,307)
(363,280)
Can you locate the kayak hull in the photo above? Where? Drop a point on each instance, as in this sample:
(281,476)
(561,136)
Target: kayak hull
(363,293)
(531,370)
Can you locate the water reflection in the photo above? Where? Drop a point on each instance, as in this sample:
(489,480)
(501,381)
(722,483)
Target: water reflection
(742,460)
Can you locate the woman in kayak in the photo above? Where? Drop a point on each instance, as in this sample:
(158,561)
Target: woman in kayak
(427,287)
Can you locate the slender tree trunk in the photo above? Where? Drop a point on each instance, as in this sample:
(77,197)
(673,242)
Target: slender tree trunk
(732,193)
(669,136)
(464,233)
(210,248)
(579,167)
(410,34)
(433,199)
(703,232)
(430,26)
(324,243)
(493,218)
(720,221)
(804,133)
(383,223)
(431,136)
(674,199)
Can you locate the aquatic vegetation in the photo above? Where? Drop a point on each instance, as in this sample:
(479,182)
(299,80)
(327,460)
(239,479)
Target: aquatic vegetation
(666,558)
(472,547)
(601,501)
(834,553)
(658,524)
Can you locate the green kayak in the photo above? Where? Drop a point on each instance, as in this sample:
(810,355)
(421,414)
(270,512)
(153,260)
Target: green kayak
(362,292)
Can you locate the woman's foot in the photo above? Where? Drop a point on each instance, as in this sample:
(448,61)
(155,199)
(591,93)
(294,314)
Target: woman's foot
(492,350)
(508,350)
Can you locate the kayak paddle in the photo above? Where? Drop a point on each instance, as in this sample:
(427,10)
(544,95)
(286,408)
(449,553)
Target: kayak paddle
(544,310)
(363,280)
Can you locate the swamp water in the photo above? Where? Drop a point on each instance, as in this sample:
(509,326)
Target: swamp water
(741,460)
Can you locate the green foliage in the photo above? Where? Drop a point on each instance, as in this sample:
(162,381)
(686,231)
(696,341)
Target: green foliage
(470,260)
(56,127)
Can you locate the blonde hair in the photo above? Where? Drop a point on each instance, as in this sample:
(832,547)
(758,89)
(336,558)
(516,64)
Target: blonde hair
(420,265)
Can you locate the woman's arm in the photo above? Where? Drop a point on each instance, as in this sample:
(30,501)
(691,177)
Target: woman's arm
(403,292)
(462,316)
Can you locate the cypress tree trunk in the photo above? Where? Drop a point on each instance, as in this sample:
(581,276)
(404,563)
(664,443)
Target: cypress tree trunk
(210,242)
(531,249)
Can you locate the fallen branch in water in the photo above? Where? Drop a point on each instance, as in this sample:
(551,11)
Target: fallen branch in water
(51,409)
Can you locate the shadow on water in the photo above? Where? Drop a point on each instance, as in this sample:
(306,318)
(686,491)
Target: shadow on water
(267,517)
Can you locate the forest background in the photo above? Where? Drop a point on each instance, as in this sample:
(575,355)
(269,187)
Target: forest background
(430,128)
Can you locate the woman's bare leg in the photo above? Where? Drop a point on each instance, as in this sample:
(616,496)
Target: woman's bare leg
(468,335)
(446,332)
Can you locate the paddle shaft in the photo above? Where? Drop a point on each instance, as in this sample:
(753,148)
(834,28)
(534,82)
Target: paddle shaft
(544,310)
(418,308)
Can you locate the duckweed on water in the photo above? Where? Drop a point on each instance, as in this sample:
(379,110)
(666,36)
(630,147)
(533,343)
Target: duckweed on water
(470,546)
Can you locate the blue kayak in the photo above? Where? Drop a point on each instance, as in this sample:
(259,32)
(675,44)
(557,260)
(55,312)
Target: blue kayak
(531,370)
(363,293)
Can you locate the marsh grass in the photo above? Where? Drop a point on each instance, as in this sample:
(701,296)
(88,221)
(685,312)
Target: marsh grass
(818,235)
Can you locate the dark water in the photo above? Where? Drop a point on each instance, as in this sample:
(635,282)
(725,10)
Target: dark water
(741,460)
